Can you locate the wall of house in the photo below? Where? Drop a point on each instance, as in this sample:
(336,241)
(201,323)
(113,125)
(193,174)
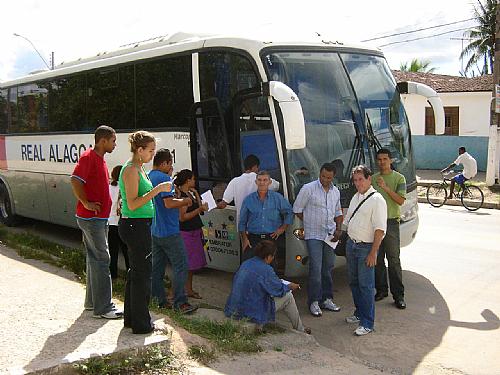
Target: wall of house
(436,152)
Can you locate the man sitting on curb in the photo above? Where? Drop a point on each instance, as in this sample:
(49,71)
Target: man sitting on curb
(257,292)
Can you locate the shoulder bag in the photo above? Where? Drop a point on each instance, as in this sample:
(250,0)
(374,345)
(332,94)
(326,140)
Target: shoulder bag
(341,246)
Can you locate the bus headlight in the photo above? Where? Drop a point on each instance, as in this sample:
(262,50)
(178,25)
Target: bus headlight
(409,211)
(299,233)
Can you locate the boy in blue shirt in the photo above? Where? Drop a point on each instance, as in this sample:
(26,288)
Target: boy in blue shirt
(168,246)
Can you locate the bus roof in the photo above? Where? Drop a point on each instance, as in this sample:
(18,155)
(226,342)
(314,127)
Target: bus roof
(183,42)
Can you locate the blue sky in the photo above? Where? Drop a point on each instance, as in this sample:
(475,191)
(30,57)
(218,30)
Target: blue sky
(79,29)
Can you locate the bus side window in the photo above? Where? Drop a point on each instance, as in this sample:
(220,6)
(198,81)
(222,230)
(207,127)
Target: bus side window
(67,104)
(110,97)
(4,106)
(32,108)
(164,92)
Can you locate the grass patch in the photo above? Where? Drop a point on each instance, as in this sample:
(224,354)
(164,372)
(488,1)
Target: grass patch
(202,354)
(228,336)
(154,359)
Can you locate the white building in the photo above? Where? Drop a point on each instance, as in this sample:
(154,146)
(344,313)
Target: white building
(466,102)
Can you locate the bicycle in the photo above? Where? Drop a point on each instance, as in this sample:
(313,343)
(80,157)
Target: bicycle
(471,196)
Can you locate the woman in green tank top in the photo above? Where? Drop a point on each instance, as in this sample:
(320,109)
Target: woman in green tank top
(134,228)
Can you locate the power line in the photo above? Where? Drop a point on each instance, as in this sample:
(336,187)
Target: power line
(417,30)
(424,37)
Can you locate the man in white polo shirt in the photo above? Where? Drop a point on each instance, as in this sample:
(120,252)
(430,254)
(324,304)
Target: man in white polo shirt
(367,223)
(470,169)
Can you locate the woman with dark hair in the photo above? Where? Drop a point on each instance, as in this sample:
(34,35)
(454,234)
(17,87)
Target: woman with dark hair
(115,243)
(258,293)
(190,225)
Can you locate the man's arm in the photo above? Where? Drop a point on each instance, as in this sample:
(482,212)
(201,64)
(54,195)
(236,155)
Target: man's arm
(79,193)
(338,227)
(171,202)
(371,258)
(392,194)
(242,226)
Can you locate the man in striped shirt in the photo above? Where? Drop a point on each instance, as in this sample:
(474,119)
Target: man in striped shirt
(318,205)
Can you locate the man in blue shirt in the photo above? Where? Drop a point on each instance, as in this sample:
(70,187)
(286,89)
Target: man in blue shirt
(264,215)
(168,245)
(257,293)
(318,205)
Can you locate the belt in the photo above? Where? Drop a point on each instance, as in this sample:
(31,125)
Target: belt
(146,219)
(262,236)
(393,221)
(360,242)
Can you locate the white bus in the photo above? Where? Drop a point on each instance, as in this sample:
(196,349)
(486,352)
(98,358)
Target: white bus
(212,100)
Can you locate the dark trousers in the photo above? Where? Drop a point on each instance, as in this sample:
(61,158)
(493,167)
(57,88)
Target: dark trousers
(116,245)
(256,238)
(136,233)
(390,249)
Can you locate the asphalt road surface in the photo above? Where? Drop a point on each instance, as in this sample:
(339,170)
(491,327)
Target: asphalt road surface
(452,281)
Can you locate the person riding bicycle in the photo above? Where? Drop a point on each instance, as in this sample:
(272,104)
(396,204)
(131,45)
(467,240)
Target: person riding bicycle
(470,169)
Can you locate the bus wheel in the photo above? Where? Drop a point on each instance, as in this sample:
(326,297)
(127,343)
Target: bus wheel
(6,215)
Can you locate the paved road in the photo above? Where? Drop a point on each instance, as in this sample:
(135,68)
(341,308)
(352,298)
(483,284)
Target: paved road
(452,280)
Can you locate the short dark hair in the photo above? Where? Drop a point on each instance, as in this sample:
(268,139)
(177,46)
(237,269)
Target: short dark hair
(362,169)
(328,167)
(103,132)
(462,148)
(384,151)
(251,161)
(162,155)
(265,248)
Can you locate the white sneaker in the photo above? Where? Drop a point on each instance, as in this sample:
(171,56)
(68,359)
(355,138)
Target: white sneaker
(315,310)
(112,314)
(361,331)
(352,319)
(328,304)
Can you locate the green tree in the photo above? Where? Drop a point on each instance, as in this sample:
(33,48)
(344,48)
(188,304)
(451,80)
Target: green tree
(417,66)
(482,36)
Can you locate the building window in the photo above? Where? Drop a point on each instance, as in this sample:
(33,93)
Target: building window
(451,121)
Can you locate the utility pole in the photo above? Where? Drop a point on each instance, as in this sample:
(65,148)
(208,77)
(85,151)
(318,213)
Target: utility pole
(492,168)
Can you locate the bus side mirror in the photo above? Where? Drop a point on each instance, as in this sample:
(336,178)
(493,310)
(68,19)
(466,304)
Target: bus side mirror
(293,117)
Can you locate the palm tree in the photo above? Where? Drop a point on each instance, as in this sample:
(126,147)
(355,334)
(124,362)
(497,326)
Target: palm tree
(417,66)
(482,45)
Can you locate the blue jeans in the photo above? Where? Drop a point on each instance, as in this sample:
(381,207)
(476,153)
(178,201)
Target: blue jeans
(362,282)
(169,250)
(321,262)
(98,278)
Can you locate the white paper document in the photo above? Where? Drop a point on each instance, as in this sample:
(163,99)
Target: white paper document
(285,282)
(328,240)
(209,198)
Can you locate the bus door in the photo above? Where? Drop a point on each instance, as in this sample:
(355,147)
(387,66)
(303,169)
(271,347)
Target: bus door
(212,165)
(255,135)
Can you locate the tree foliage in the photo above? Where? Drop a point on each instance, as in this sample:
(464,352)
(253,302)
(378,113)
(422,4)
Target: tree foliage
(417,66)
(482,37)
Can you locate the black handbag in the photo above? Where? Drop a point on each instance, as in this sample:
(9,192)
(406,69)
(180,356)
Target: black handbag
(341,246)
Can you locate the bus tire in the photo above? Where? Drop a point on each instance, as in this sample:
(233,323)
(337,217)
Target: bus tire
(7,216)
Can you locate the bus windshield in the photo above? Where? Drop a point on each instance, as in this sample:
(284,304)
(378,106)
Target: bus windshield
(344,97)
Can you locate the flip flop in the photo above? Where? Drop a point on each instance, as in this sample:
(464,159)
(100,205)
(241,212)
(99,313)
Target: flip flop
(194,295)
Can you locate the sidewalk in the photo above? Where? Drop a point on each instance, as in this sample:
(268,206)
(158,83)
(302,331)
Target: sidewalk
(427,177)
